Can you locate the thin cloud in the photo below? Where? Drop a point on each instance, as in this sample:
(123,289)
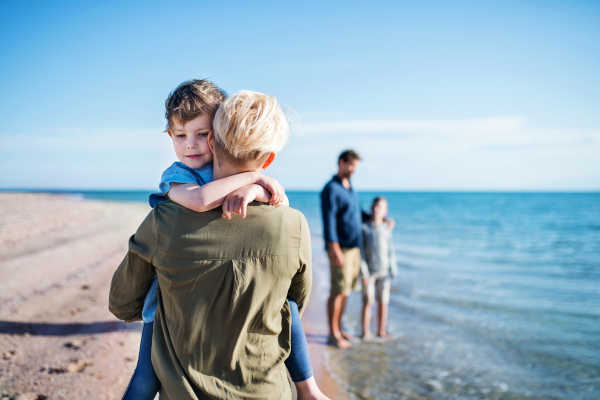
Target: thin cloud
(479,126)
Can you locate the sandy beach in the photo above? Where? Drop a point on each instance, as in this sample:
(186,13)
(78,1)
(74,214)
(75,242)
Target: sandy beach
(57,338)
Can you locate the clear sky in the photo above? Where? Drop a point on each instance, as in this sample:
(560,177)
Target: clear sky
(461,95)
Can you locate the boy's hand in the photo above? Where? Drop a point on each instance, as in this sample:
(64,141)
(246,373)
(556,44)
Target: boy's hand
(365,281)
(277,191)
(237,201)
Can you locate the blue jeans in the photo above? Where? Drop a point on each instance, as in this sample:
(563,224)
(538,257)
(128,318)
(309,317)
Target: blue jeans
(298,363)
(144,383)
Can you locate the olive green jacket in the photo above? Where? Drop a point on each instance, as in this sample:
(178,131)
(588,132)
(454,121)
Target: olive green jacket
(222,326)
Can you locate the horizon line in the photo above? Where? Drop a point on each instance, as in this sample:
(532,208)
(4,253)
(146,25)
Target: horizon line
(305,190)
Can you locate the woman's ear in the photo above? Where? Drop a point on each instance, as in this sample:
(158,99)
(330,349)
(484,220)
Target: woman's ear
(269,160)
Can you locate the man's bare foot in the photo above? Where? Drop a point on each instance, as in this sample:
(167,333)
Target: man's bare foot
(347,336)
(384,335)
(340,343)
(366,336)
(308,390)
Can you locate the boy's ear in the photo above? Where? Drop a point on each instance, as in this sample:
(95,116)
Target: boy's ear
(211,141)
(169,132)
(269,160)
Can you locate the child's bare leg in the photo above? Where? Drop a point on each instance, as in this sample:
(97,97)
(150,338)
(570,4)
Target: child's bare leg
(366,317)
(308,390)
(382,312)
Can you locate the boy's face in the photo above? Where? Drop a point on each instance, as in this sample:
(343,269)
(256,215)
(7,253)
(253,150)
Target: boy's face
(190,141)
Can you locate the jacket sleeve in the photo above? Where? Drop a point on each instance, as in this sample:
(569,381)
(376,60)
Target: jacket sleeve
(132,279)
(302,281)
(329,210)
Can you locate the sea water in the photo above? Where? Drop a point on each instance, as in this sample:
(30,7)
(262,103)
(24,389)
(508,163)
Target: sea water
(498,297)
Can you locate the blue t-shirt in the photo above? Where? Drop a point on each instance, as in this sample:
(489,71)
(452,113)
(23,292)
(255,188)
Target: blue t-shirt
(180,173)
(176,173)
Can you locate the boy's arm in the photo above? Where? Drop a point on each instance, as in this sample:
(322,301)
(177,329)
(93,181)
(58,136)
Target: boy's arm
(209,196)
(132,280)
(237,201)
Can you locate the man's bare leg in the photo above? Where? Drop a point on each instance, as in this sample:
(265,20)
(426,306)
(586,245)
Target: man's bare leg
(344,334)
(334,311)
(366,317)
(382,312)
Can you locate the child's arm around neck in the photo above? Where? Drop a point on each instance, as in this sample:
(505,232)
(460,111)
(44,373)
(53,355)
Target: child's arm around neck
(213,194)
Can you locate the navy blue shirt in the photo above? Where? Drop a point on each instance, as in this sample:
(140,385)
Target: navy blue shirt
(342,216)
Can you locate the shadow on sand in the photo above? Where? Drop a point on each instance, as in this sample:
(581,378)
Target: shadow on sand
(49,329)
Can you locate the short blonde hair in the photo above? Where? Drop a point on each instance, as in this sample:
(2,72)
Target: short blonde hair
(250,125)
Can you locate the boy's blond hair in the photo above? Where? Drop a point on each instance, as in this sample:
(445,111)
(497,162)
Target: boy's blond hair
(249,126)
(191,99)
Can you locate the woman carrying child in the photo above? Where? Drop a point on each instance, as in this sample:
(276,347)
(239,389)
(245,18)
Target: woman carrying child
(190,109)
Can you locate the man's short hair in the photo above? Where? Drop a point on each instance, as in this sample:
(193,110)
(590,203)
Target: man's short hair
(348,155)
(249,126)
(191,99)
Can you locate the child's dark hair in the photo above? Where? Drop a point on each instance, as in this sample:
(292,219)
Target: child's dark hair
(376,200)
(347,155)
(191,99)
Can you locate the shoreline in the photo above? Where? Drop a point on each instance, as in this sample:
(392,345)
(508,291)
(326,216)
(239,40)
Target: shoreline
(57,338)
(314,321)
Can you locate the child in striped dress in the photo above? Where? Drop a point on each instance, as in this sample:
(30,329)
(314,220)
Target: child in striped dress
(378,266)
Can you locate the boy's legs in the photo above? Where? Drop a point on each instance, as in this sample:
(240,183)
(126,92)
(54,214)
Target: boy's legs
(144,383)
(298,363)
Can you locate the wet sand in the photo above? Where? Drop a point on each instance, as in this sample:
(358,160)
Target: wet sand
(57,338)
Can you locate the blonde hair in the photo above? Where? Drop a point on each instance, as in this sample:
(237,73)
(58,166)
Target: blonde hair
(250,125)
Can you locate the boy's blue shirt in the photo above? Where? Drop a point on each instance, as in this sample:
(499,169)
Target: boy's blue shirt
(178,172)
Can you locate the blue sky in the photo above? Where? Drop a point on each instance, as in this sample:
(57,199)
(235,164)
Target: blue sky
(457,95)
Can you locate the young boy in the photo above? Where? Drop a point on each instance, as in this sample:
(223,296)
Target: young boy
(378,266)
(190,109)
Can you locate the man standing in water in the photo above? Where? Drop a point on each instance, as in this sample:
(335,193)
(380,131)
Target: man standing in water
(342,231)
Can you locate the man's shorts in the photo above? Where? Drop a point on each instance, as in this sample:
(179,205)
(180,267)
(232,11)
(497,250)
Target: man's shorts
(382,284)
(344,279)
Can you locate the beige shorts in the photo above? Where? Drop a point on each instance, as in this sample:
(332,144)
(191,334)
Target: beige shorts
(344,279)
(379,286)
